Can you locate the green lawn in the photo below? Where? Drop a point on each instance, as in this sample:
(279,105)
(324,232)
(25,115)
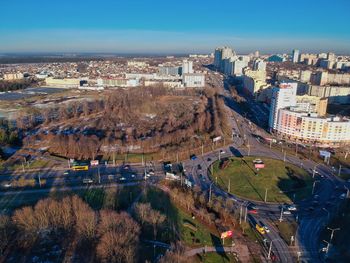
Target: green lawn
(215,258)
(283,181)
(287,230)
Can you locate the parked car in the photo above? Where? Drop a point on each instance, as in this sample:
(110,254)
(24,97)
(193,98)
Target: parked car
(287,212)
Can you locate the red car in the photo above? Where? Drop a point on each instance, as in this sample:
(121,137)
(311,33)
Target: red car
(253,211)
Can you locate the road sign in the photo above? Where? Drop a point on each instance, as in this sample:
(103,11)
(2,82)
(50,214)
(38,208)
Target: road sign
(325,154)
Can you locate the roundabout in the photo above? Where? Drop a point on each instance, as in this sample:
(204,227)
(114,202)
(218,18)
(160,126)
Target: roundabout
(262,179)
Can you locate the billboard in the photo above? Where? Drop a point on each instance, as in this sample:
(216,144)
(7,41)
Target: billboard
(325,154)
(226,234)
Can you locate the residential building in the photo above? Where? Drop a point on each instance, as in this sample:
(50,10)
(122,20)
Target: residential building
(13,76)
(63,83)
(283,96)
(169,70)
(193,80)
(295,56)
(187,67)
(310,128)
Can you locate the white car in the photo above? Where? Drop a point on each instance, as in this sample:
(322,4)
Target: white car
(122,178)
(7,185)
(287,212)
(292,208)
(87,181)
(267,230)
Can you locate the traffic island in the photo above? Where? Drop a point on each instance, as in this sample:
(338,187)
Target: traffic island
(262,179)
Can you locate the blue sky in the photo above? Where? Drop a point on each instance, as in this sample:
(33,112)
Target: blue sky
(157,26)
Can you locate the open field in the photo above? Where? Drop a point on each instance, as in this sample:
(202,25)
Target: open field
(284,182)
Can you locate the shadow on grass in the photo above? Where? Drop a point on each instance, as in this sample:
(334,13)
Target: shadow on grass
(218,246)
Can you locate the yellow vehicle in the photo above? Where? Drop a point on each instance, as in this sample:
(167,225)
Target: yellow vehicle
(260,229)
(80,168)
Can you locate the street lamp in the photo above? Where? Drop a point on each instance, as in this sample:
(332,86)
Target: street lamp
(210,191)
(270,248)
(314,170)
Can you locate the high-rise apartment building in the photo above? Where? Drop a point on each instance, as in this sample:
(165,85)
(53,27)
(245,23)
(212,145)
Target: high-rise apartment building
(283,96)
(295,56)
(187,67)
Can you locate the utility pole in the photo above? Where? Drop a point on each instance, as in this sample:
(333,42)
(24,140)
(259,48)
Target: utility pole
(284,156)
(177,157)
(270,248)
(210,192)
(339,171)
(265,195)
(246,212)
(202,149)
(240,215)
(68,164)
(270,143)
(281,215)
(39,180)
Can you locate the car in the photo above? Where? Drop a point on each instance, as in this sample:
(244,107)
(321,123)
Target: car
(7,185)
(199,167)
(222,151)
(209,159)
(193,157)
(122,178)
(267,230)
(292,208)
(253,211)
(202,177)
(87,181)
(287,212)
(342,196)
(66,173)
(133,176)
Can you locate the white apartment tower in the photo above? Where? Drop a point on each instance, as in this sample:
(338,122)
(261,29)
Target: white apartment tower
(283,96)
(295,56)
(187,67)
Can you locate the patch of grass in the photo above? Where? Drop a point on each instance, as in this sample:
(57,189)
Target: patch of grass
(283,181)
(287,230)
(215,258)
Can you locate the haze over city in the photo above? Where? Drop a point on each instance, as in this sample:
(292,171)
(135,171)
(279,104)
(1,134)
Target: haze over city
(174,27)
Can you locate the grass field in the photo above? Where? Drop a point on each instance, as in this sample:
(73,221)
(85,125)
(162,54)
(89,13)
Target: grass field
(284,182)
(215,258)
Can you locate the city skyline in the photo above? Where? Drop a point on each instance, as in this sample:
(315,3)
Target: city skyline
(165,28)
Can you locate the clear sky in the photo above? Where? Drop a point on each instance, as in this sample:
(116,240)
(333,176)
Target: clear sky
(165,26)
